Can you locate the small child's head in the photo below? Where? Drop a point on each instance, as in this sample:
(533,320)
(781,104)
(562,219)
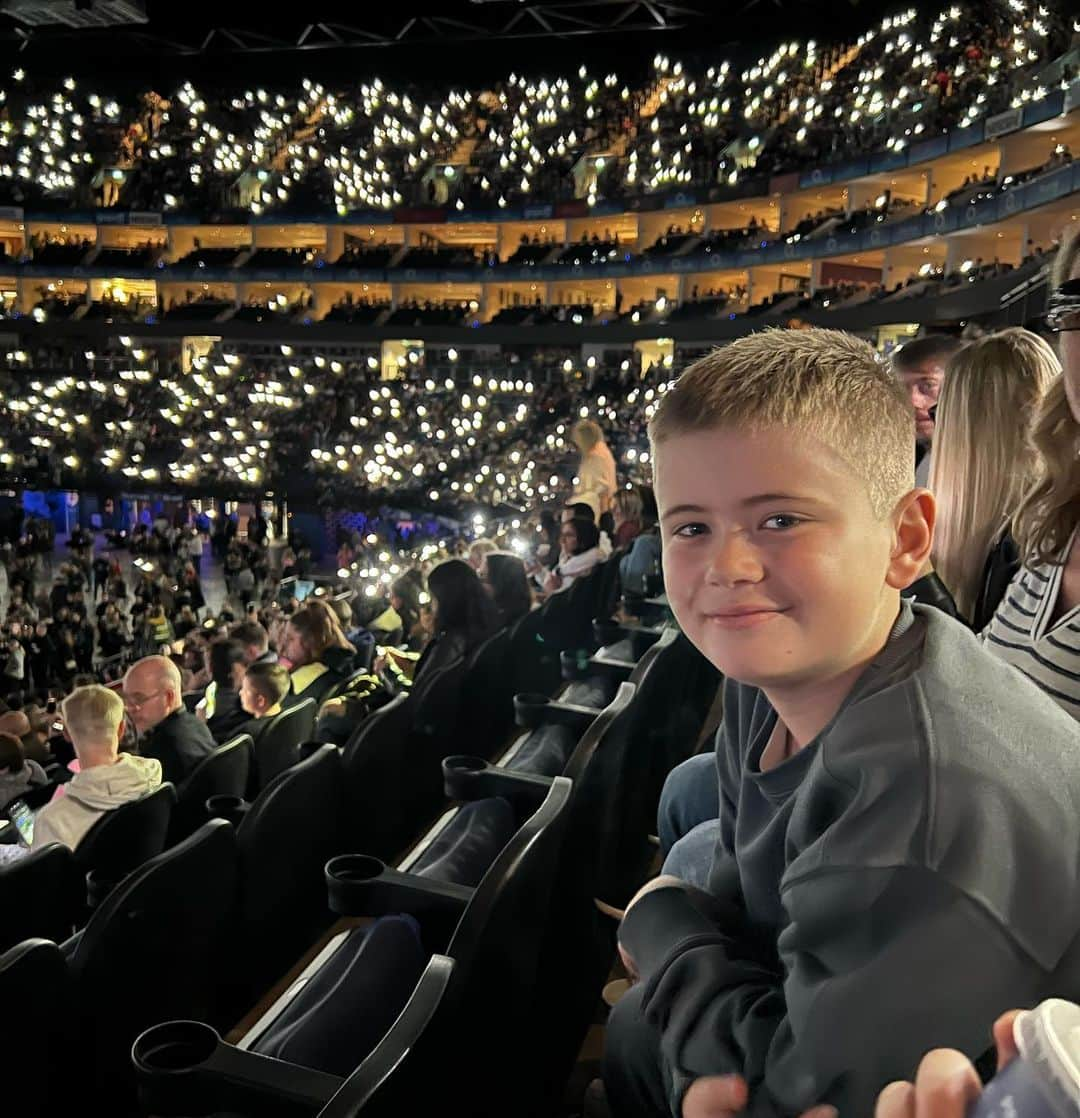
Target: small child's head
(263,687)
(12,754)
(784,471)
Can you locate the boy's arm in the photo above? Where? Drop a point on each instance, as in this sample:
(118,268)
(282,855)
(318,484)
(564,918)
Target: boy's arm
(879,965)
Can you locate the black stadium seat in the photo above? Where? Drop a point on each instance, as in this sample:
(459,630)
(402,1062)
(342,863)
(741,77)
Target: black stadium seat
(223,773)
(278,746)
(41,894)
(284,839)
(35,988)
(468,1011)
(126,837)
(150,950)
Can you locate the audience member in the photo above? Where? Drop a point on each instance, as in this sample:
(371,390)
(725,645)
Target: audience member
(464,616)
(18,774)
(983,463)
(227,673)
(264,687)
(920,365)
(580,543)
(167,730)
(596,480)
(627,515)
(509,586)
(1037,624)
(93,719)
(310,638)
(790,522)
(255,641)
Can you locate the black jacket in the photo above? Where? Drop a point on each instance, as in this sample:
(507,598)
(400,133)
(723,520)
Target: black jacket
(230,718)
(179,742)
(1001,566)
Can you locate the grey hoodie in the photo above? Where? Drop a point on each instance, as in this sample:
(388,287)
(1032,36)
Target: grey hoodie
(15,784)
(90,794)
(894,886)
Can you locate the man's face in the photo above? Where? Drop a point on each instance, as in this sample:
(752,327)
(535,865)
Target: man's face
(923,385)
(774,561)
(147,700)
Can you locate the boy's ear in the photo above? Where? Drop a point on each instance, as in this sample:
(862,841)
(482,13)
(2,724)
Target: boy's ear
(913,522)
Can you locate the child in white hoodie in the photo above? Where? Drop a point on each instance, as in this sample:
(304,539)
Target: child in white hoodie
(94,724)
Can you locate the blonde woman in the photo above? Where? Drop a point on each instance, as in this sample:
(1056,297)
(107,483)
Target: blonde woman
(1037,625)
(983,463)
(596,472)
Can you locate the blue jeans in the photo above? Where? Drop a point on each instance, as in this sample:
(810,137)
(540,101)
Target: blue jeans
(688,821)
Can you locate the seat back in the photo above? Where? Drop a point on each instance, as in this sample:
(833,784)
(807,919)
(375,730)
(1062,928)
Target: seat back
(152,951)
(223,773)
(487,701)
(437,699)
(41,894)
(285,839)
(278,746)
(129,835)
(534,659)
(380,817)
(480,1008)
(35,988)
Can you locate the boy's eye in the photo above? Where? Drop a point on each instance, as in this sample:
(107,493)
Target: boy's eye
(780,522)
(689,531)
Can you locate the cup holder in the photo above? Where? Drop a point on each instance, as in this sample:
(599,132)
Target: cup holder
(463,763)
(352,869)
(529,709)
(232,808)
(175,1046)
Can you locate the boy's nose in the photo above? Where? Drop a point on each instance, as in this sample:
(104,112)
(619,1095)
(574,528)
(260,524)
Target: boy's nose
(733,560)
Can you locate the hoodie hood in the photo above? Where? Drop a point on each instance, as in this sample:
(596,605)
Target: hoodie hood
(107,786)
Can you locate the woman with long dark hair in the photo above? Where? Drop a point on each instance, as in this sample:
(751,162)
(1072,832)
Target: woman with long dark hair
(464,615)
(509,586)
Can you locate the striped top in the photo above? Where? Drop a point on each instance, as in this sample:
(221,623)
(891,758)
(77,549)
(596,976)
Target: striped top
(1019,633)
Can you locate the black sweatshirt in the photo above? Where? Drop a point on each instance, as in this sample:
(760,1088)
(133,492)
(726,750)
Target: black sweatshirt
(892,887)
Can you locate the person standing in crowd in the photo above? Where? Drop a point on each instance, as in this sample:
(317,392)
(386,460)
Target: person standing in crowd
(1037,624)
(984,463)
(93,718)
(596,482)
(920,365)
(167,730)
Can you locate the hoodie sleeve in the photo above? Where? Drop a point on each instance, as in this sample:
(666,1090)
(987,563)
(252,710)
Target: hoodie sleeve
(877,967)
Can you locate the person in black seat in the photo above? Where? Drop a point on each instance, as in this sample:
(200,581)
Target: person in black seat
(227,671)
(465,616)
(256,642)
(167,731)
(262,690)
(316,651)
(508,585)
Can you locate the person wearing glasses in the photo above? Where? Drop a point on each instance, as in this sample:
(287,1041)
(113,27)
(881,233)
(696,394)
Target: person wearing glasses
(167,730)
(1037,625)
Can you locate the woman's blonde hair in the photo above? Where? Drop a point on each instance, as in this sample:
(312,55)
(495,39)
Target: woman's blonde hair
(628,504)
(1050,512)
(983,461)
(586,434)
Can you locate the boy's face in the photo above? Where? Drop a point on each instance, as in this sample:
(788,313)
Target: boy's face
(774,561)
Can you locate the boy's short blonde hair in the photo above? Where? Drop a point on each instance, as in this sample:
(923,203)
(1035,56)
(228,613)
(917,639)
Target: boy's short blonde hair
(92,714)
(823,383)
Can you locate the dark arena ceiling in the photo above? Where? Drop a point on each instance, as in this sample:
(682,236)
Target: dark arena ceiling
(404,39)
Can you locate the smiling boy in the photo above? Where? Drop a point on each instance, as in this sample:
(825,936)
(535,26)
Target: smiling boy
(899,854)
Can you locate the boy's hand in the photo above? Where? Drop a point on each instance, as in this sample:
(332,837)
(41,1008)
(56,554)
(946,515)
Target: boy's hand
(723,1096)
(946,1084)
